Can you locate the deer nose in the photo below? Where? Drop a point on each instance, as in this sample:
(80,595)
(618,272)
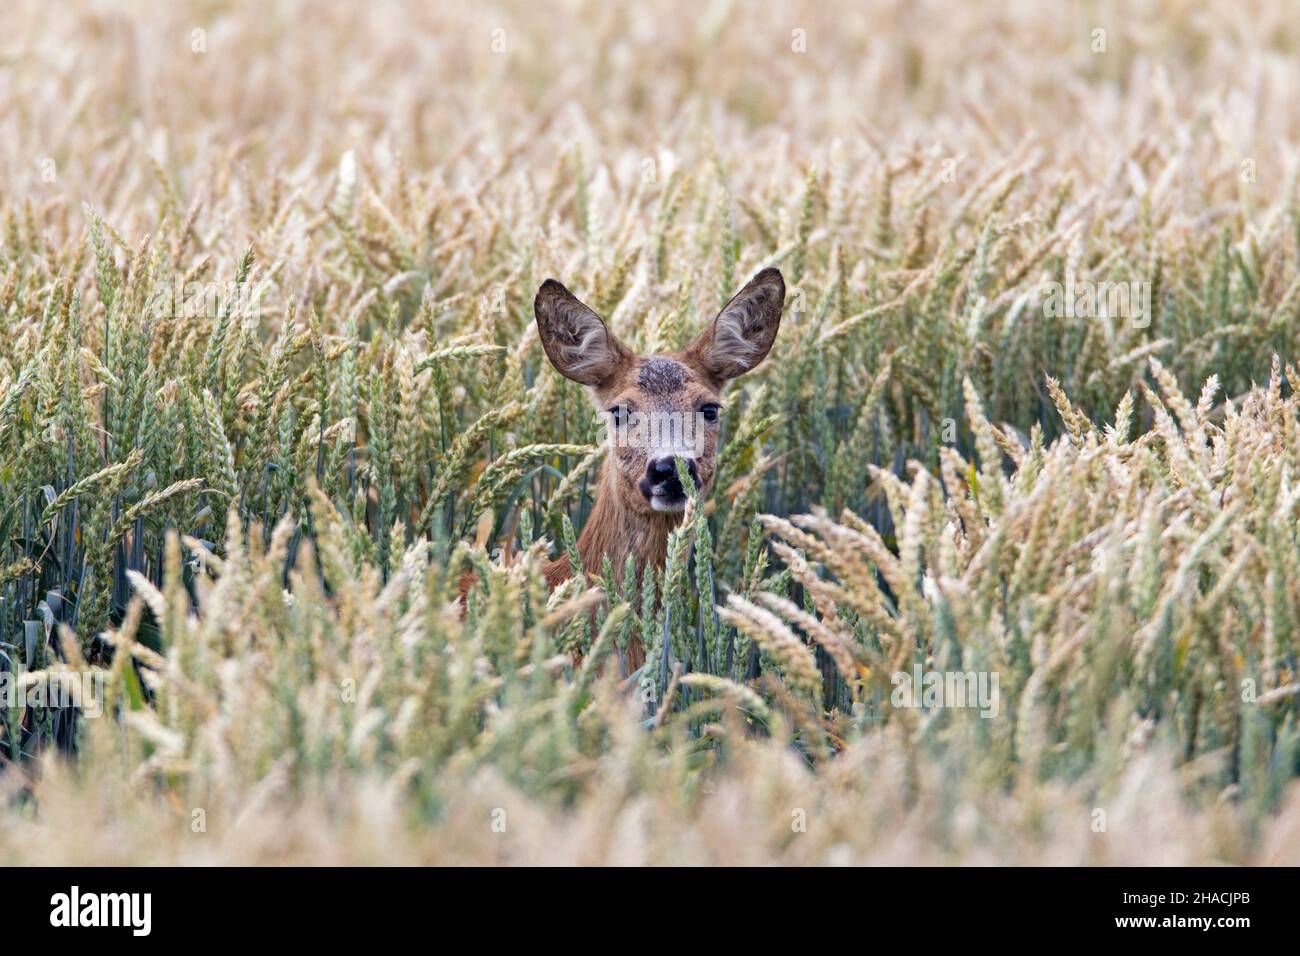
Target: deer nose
(664,470)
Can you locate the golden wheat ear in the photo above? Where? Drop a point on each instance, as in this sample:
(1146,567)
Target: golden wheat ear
(576,340)
(743,333)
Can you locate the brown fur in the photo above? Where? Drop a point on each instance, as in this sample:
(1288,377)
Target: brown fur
(624,521)
(614,531)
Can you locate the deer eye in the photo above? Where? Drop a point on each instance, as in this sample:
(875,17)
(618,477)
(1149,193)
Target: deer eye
(619,415)
(710,412)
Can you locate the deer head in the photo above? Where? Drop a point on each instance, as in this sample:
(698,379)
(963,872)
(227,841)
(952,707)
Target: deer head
(659,408)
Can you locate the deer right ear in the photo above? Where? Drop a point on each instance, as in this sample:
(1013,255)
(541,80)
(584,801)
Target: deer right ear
(743,333)
(575,339)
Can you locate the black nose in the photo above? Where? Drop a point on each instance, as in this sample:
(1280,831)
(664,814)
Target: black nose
(664,470)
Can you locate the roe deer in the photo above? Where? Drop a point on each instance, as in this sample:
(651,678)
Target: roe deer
(659,408)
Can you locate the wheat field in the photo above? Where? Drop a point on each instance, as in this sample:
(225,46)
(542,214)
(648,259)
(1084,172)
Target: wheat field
(270,385)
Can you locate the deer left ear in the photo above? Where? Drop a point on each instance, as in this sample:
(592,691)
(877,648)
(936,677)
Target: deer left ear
(576,341)
(743,333)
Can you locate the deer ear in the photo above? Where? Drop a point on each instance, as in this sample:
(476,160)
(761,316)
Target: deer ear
(575,339)
(743,333)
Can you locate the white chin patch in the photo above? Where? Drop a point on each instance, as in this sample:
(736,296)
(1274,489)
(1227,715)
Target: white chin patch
(660,503)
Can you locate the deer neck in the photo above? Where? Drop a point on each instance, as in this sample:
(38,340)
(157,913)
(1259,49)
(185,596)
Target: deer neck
(615,530)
